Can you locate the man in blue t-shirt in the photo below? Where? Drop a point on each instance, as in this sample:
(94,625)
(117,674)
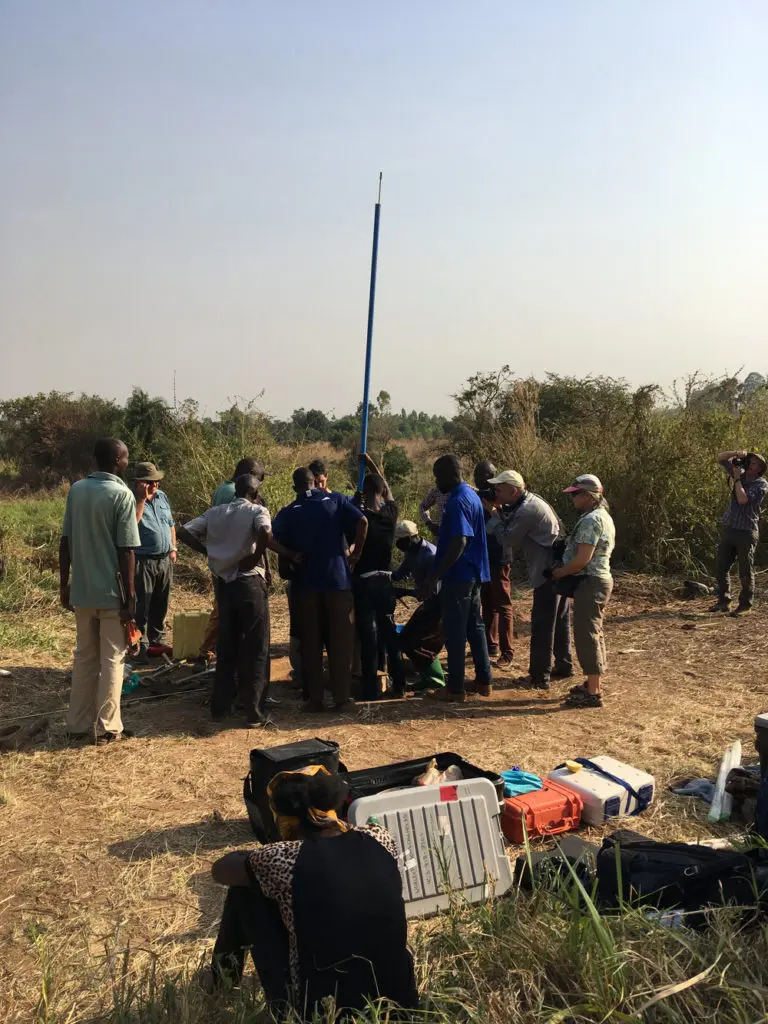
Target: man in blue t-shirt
(315,524)
(461,566)
(155,557)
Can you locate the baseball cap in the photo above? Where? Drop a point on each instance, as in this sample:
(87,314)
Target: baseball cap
(406,529)
(585,482)
(147,471)
(509,476)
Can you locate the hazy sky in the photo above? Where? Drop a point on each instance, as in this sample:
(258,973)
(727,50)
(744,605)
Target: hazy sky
(569,186)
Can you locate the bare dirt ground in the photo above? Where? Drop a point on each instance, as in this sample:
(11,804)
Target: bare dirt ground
(108,849)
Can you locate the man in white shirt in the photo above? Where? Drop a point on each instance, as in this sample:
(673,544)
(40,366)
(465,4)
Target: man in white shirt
(235,537)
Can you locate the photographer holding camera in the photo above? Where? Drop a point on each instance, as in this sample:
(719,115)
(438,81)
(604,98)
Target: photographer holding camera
(740,527)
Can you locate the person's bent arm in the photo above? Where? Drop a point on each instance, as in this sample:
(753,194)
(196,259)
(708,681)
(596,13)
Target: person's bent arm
(65,562)
(582,558)
(453,553)
(727,456)
(512,532)
(185,537)
(141,499)
(388,496)
(283,551)
(230,869)
(738,489)
(126,559)
(264,540)
(427,502)
(361,532)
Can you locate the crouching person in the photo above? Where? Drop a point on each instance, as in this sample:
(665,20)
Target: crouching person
(421,638)
(321,912)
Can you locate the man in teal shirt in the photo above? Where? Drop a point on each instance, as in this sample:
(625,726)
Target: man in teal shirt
(98,541)
(225,492)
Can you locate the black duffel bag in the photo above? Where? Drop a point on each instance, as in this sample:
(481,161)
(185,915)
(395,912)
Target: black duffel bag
(634,870)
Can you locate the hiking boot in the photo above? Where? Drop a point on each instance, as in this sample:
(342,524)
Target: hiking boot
(505,660)
(480,689)
(493,650)
(741,609)
(446,696)
(720,606)
(583,700)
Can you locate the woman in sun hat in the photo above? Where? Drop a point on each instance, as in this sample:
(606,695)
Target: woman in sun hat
(586,574)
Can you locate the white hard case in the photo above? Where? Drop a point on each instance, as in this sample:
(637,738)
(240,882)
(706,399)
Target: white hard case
(604,799)
(450,840)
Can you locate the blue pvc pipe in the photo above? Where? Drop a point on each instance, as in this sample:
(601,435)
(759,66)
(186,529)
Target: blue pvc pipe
(369,346)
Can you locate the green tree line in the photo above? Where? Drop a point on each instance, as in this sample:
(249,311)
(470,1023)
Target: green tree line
(653,451)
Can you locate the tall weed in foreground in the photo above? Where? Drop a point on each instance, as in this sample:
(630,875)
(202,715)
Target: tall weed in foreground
(547,957)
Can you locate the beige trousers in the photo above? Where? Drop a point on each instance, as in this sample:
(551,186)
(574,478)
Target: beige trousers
(589,601)
(97,672)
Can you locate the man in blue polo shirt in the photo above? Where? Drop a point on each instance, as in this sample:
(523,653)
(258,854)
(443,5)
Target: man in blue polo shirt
(316,524)
(154,557)
(461,568)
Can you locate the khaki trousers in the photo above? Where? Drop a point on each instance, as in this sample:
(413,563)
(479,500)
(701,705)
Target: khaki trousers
(589,601)
(97,672)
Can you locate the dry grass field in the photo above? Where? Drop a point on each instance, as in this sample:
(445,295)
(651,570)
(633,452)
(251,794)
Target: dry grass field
(108,850)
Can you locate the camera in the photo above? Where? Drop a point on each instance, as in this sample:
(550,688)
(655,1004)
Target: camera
(741,463)
(488,493)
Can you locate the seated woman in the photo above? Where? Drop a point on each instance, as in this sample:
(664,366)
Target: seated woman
(322,913)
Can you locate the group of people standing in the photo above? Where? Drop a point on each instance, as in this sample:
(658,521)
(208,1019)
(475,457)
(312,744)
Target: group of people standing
(336,554)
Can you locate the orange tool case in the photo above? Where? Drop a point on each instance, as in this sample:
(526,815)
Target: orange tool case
(552,809)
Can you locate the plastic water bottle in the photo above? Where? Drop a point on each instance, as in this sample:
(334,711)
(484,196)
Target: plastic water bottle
(667,918)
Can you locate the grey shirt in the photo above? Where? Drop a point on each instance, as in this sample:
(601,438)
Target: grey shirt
(530,529)
(229,533)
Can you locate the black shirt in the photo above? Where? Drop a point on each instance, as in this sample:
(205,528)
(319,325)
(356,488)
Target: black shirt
(377,550)
(496,554)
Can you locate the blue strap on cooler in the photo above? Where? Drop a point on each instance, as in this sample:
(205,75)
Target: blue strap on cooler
(642,802)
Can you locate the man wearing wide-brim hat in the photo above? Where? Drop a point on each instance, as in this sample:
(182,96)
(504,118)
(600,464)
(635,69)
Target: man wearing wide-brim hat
(154,558)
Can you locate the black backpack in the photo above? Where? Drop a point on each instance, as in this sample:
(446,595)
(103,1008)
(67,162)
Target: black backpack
(635,870)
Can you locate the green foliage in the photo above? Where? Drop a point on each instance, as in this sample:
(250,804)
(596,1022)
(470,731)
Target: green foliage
(655,456)
(654,453)
(397,465)
(49,438)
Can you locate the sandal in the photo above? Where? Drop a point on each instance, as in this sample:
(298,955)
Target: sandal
(579,688)
(584,700)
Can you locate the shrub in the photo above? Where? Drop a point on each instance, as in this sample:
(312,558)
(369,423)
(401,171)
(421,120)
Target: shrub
(397,465)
